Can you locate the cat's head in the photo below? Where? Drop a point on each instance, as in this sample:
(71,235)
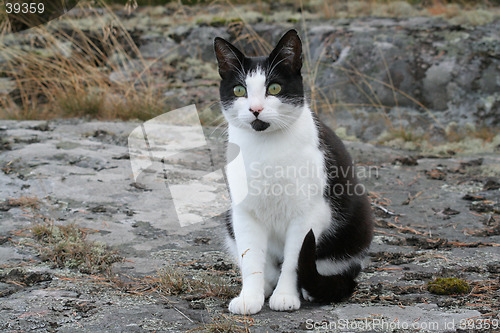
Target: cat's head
(261,93)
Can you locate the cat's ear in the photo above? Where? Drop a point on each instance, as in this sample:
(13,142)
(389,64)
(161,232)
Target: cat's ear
(230,59)
(288,51)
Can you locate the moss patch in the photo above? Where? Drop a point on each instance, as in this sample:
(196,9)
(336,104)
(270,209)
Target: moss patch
(342,133)
(448,286)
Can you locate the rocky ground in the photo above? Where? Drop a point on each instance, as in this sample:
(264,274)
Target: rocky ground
(426,87)
(437,216)
(362,73)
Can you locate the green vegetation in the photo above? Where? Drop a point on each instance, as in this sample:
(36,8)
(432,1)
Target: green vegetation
(218,21)
(453,141)
(448,286)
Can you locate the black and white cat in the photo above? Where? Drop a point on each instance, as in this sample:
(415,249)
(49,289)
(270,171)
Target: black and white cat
(304,226)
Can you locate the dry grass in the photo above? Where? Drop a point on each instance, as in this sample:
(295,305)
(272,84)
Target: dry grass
(171,281)
(222,324)
(176,282)
(24,202)
(67,246)
(73,72)
(456,134)
(467,12)
(103,75)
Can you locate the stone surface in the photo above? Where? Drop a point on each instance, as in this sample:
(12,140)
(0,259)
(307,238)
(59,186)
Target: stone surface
(437,214)
(82,174)
(373,69)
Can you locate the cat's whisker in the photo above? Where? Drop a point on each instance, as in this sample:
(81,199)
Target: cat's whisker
(239,61)
(216,128)
(269,73)
(285,127)
(241,73)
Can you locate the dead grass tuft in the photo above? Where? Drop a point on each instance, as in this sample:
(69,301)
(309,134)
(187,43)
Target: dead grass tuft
(77,72)
(169,281)
(24,202)
(67,246)
(223,323)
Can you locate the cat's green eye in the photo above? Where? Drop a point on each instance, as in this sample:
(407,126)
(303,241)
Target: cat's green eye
(274,89)
(239,91)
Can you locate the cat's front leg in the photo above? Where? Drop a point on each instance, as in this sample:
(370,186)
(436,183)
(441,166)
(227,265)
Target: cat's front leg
(251,247)
(286,295)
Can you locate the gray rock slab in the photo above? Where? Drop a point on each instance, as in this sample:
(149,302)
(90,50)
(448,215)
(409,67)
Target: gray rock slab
(82,174)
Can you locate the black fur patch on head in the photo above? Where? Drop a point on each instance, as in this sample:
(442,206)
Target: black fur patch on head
(282,66)
(288,52)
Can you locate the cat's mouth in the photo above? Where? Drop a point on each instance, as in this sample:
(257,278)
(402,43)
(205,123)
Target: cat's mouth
(259,125)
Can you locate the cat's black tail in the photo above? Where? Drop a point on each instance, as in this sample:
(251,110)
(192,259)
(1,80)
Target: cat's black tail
(320,288)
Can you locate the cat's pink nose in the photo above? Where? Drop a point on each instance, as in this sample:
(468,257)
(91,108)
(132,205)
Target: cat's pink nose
(257,109)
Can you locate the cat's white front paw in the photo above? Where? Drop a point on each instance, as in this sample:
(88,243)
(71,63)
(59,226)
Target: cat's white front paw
(284,302)
(246,304)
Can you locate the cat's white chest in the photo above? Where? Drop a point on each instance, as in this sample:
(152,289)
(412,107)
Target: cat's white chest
(282,185)
(284,174)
